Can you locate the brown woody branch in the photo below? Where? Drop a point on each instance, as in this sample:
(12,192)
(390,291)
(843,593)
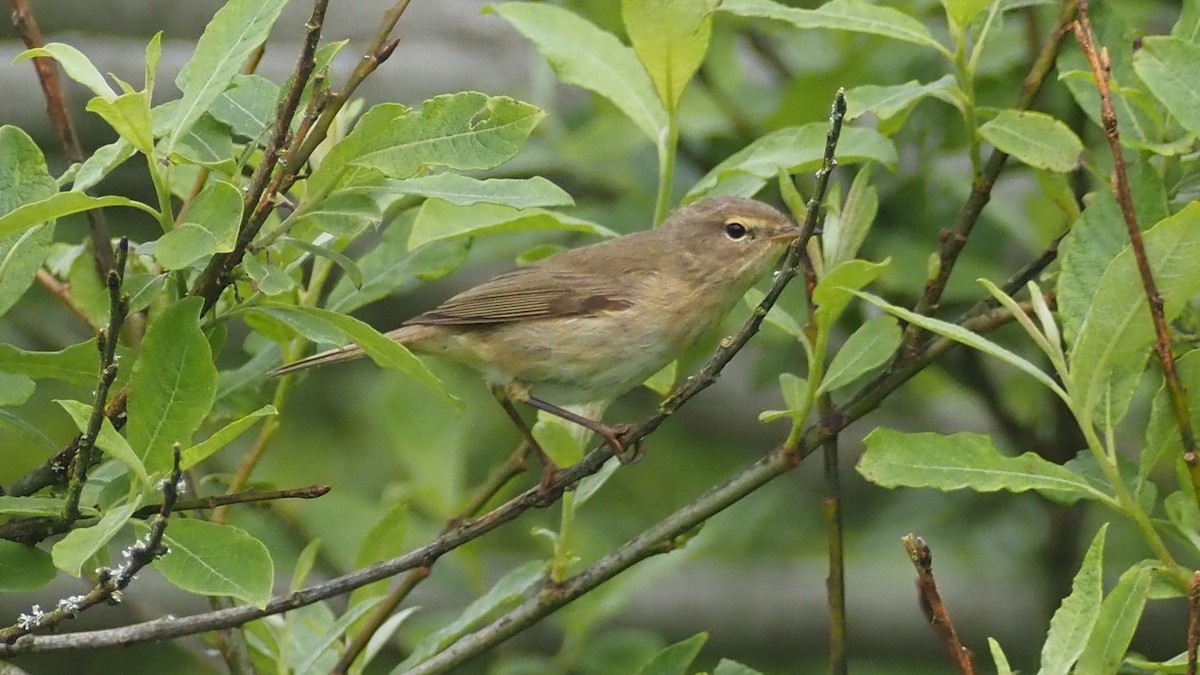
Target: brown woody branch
(111,581)
(932,606)
(1098,59)
(247,497)
(955,238)
(47,71)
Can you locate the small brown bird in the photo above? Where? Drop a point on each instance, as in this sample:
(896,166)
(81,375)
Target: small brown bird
(589,324)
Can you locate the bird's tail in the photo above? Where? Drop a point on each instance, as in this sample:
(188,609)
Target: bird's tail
(408,335)
(337,355)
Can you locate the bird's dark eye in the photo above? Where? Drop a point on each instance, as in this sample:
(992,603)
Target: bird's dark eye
(735,230)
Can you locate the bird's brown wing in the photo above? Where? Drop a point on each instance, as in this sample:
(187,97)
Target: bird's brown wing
(531,293)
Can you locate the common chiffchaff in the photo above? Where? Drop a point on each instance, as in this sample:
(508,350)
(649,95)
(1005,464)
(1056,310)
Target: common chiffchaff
(589,324)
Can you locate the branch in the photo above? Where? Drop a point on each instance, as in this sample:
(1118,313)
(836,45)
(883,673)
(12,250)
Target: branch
(111,582)
(216,276)
(1162,342)
(81,458)
(931,604)
(264,183)
(1193,630)
(955,239)
(247,497)
(56,107)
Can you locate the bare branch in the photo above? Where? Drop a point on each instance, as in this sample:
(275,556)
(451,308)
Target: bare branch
(932,606)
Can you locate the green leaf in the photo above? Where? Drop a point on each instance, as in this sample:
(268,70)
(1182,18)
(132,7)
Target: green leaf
(1162,431)
(795,397)
(248,106)
(185,245)
(998,657)
(1188,25)
(73,550)
(850,15)
(391,268)
(1087,250)
(557,438)
(352,272)
(370,132)
(58,205)
(24,568)
(1073,622)
(520,193)
(438,220)
(1115,622)
(75,365)
(208,143)
(27,431)
(267,278)
(30,506)
(24,178)
(675,659)
(463,131)
(670,37)
(586,56)
(834,291)
(793,149)
(14,389)
(232,34)
(961,12)
(222,437)
(75,64)
(869,347)
(507,592)
(776,316)
(216,559)
(886,102)
(663,382)
(727,667)
(1163,63)
(1035,138)
(108,440)
(320,325)
(101,163)
(846,229)
(218,208)
(966,337)
(173,385)
(129,116)
(1116,333)
(343,213)
(966,460)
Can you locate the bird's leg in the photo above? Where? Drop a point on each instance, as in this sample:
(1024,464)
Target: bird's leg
(611,434)
(549,468)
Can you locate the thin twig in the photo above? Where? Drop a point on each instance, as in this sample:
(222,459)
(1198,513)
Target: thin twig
(56,107)
(835,583)
(1193,634)
(259,195)
(247,497)
(111,581)
(106,342)
(932,606)
(1098,59)
(955,238)
(216,275)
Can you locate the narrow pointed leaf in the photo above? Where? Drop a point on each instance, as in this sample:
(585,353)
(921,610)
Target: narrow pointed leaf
(966,460)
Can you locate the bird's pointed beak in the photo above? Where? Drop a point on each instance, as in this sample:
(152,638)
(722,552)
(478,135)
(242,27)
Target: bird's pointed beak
(785,234)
